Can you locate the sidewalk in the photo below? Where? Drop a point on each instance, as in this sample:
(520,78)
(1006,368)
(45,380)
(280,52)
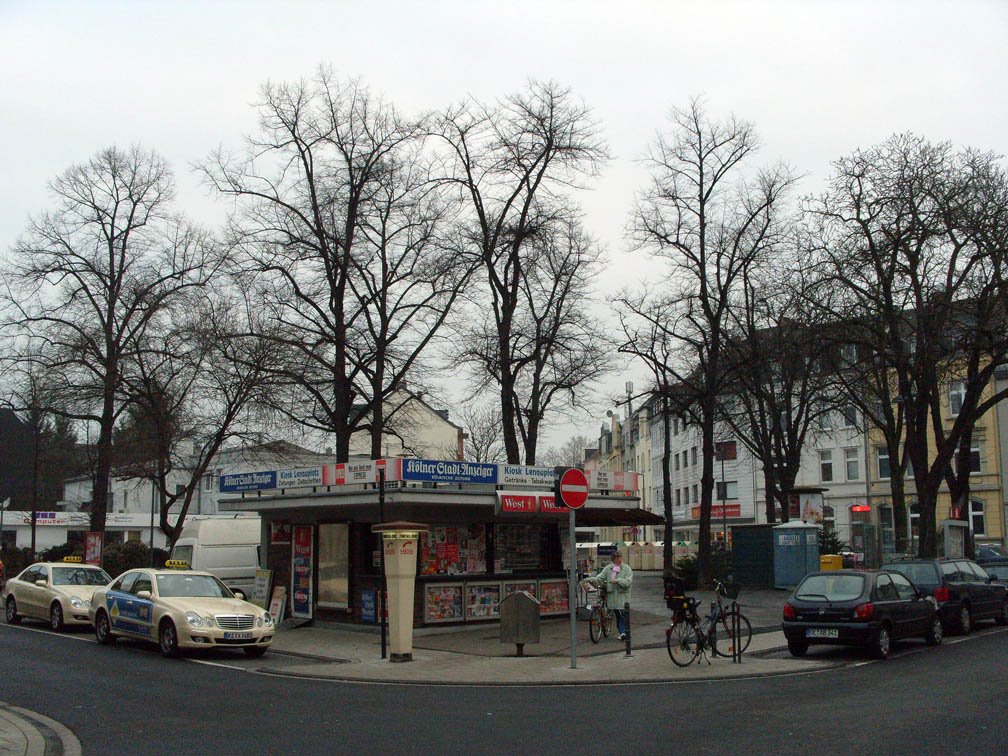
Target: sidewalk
(474,655)
(27,733)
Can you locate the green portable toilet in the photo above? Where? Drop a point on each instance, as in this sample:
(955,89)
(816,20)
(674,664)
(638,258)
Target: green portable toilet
(753,555)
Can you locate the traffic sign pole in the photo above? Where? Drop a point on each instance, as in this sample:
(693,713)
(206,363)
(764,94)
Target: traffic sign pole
(571,596)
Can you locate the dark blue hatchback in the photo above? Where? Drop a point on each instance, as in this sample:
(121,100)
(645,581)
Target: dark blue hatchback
(963,590)
(858,608)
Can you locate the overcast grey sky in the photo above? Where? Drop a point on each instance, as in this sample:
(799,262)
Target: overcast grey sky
(817,78)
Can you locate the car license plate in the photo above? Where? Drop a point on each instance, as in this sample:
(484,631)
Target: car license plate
(237,636)
(822,632)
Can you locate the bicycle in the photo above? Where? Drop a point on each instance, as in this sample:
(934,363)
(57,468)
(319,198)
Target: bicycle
(688,637)
(600,621)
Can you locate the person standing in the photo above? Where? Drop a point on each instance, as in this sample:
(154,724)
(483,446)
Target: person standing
(617,578)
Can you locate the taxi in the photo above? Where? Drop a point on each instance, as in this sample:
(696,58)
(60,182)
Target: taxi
(179,608)
(56,592)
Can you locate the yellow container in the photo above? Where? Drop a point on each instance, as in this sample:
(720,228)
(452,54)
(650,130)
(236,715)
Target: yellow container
(830,562)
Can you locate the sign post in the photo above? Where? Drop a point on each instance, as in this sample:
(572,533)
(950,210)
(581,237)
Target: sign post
(571,489)
(724,450)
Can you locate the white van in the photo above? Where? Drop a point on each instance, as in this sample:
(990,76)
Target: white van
(227,547)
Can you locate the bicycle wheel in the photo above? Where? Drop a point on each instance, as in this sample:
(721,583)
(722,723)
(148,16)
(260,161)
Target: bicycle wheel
(723,627)
(683,642)
(607,622)
(595,624)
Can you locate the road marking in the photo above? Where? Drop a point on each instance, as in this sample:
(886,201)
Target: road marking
(209,663)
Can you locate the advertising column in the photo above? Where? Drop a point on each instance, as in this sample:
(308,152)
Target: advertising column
(400,541)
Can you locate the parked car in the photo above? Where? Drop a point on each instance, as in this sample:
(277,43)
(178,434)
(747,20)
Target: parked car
(55,592)
(179,608)
(963,590)
(996,568)
(858,608)
(985,551)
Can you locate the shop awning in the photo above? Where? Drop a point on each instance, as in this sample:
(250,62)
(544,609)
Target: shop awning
(612,516)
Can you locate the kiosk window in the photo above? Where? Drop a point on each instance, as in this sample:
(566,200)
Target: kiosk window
(334,565)
(523,547)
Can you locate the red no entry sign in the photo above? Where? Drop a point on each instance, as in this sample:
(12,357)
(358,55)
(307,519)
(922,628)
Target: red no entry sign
(573,488)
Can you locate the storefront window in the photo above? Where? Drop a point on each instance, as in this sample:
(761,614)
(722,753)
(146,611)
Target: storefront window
(334,565)
(524,547)
(453,550)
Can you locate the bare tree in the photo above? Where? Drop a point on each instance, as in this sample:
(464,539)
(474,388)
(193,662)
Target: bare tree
(195,387)
(648,326)
(711,230)
(339,224)
(91,276)
(484,439)
(914,236)
(49,437)
(511,162)
(782,385)
(571,453)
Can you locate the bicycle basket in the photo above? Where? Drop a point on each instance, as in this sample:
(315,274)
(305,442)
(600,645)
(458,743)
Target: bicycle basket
(732,590)
(680,606)
(674,587)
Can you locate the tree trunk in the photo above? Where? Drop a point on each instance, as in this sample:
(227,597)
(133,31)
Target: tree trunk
(704,571)
(668,563)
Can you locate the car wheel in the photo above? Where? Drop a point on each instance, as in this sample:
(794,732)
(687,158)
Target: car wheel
(1002,618)
(56,617)
(168,639)
(965,620)
(255,652)
(796,648)
(883,643)
(103,629)
(935,633)
(10,612)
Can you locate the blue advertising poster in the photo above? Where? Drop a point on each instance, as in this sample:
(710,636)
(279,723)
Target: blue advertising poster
(248,481)
(447,471)
(368,608)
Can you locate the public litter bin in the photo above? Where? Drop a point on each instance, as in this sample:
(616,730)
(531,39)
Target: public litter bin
(519,620)
(830,562)
(634,555)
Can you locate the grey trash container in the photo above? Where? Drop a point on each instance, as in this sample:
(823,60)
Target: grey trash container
(519,620)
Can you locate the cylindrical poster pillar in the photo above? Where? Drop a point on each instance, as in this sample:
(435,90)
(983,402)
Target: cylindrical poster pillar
(400,545)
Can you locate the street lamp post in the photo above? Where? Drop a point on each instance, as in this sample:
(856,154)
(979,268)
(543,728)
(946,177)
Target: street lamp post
(724,506)
(152,494)
(724,450)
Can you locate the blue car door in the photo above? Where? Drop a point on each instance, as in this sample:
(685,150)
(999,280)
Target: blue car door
(122,609)
(141,607)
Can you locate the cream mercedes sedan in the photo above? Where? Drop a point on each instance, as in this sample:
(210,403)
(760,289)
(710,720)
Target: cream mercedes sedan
(179,609)
(56,592)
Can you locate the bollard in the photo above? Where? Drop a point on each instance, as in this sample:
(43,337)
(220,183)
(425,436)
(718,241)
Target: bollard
(736,634)
(626,622)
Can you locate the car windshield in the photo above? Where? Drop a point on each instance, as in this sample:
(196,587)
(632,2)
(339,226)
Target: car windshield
(79,576)
(989,550)
(202,586)
(920,573)
(830,587)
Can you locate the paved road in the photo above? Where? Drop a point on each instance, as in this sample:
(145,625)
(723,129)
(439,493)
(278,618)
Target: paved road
(130,700)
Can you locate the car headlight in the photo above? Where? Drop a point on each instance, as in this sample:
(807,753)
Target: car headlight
(267,619)
(258,621)
(194,619)
(208,621)
(77,603)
